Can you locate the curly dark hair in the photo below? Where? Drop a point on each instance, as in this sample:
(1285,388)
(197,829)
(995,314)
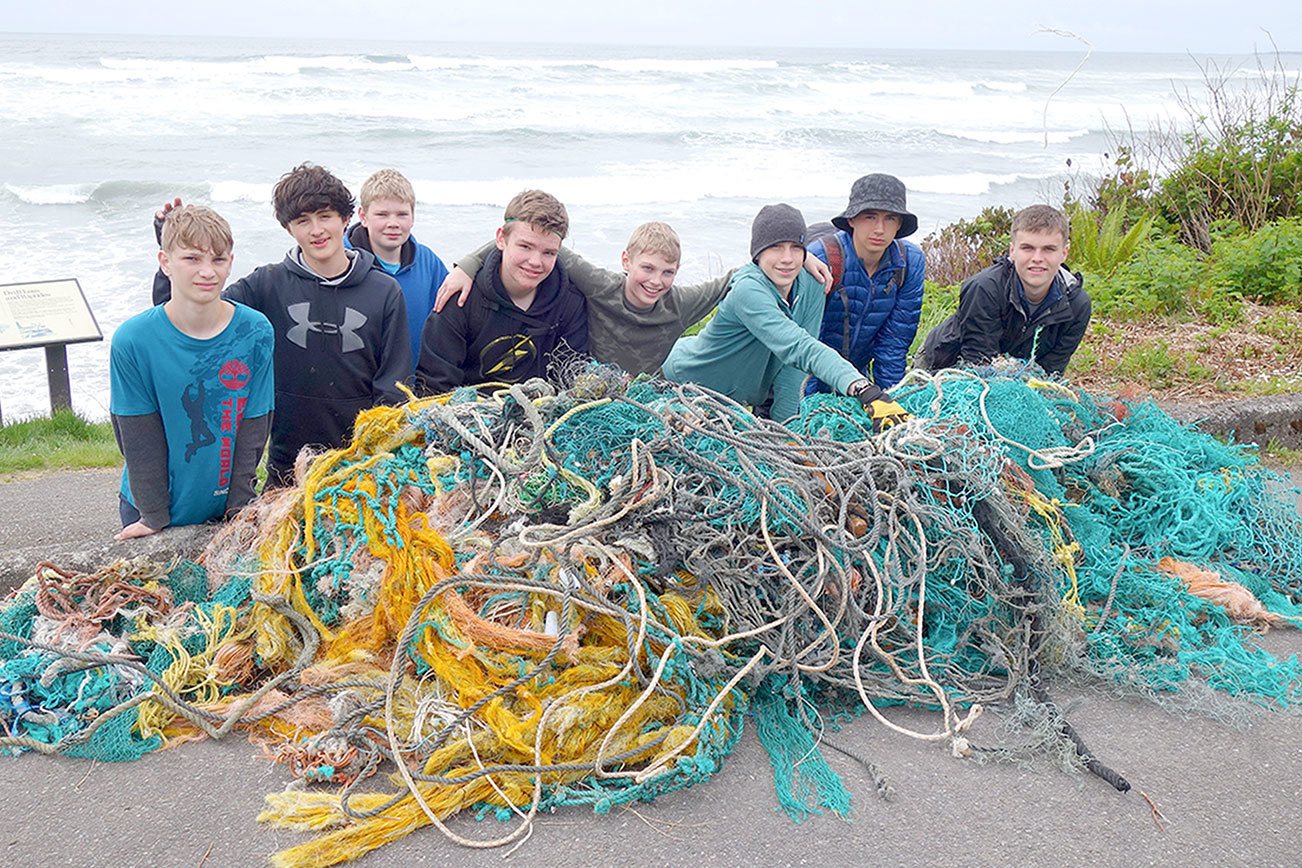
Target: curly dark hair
(307,188)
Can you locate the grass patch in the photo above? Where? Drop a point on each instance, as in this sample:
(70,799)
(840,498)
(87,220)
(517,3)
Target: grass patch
(938,302)
(1155,363)
(1150,362)
(1267,386)
(695,328)
(1281,326)
(59,442)
(1282,454)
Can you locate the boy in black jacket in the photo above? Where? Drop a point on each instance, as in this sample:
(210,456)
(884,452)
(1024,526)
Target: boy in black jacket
(522,309)
(1025,305)
(341,323)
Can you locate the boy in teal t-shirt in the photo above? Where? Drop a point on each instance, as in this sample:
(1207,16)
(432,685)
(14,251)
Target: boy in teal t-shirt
(191,387)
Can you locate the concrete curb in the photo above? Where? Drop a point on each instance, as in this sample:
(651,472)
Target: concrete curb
(1271,419)
(69,518)
(17,565)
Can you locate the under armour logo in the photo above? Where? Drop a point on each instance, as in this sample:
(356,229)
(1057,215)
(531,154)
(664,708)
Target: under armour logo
(349,341)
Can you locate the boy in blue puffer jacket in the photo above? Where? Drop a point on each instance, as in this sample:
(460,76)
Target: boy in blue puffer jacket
(872,310)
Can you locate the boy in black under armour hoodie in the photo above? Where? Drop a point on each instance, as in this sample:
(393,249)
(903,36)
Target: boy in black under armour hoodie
(523,309)
(340,322)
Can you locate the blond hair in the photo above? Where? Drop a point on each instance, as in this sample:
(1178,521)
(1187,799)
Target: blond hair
(199,228)
(1042,218)
(656,238)
(540,210)
(387,184)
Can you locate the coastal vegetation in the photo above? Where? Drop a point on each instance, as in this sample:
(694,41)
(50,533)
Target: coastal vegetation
(1190,246)
(62,441)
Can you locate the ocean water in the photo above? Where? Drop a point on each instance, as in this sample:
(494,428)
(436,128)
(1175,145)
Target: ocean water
(99,131)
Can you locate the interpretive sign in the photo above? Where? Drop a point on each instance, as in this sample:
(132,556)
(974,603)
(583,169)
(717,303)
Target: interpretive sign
(43,313)
(50,314)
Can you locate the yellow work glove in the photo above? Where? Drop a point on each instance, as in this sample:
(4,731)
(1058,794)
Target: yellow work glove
(884,412)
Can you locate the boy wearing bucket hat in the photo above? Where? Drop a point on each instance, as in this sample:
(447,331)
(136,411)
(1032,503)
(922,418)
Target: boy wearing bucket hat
(872,310)
(765,324)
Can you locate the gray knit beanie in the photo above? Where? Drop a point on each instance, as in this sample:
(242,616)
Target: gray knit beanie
(775,224)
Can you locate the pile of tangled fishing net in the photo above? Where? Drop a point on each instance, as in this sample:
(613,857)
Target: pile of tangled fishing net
(514,599)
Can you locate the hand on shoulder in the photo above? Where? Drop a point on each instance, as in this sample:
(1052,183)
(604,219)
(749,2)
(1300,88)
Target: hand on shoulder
(457,283)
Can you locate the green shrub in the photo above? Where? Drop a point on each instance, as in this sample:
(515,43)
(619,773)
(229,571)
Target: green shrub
(1265,266)
(1235,158)
(1101,246)
(1162,277)
(1127,188)
(1222,305)
(938,302)
(1241,159)
(1249,172)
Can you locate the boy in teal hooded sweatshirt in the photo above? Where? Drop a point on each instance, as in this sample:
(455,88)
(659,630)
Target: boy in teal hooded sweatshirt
(769,321)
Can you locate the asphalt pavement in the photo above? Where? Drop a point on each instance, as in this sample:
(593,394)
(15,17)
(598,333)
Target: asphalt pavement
(1226,795)
(69,518)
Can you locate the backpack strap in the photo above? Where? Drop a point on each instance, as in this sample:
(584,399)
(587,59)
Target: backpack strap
(835,259)
(902,273)
(836,263)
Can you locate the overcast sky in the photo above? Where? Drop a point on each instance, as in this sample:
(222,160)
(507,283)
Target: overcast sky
(1110,25)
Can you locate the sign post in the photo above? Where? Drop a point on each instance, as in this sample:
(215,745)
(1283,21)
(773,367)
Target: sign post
(49,314)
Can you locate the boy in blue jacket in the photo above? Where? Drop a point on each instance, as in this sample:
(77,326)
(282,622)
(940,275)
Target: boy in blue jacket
(386,215)
(872,310)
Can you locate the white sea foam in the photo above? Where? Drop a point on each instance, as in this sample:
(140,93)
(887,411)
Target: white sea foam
(240,191)
(867,87)
(860,66)
(1008,137)
(275,64)
(736,176)
(639,65)
(962,184)
(52,194)
(272,64)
